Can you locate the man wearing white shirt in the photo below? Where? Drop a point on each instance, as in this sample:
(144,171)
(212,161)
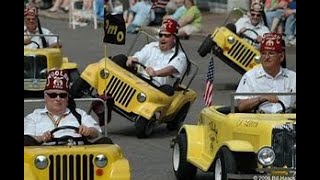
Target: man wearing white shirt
(270,77)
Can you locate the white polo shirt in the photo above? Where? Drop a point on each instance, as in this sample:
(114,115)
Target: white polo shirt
(257,80)
(38,122)
(151,56)
(50,39)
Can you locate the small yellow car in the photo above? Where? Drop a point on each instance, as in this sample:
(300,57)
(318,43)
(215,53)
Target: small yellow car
(236,145)
(65,160)
(38,61)
(236,51)
(135,98)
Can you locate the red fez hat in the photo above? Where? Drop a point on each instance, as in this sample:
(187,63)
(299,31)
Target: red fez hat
(169,25)
(31,11)
(272,42)
(58,79)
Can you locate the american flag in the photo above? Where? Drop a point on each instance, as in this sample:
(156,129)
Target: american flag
(159,3)
(208,92)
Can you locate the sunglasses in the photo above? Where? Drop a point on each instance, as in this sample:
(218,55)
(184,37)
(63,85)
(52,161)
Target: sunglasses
(165,35)
(54,95)
(255,14)
(29,19)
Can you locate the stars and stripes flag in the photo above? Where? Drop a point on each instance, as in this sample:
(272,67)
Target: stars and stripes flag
(208,92)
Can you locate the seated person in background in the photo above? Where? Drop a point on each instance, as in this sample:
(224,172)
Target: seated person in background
(138,15)
(179,11)
(253,21)
(274,10)
(191,21)
(270,77)
(165,62)
(32,27)
(59,111)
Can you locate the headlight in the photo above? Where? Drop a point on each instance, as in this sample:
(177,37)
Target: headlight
(257,59)
(141,97)
(41,162)
(266,156)
(101,160)
(231,39)
(104,74)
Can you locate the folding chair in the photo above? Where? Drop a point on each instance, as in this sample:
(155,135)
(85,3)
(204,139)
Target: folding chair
(77,11)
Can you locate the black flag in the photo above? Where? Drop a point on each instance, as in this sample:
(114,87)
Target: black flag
(114,29)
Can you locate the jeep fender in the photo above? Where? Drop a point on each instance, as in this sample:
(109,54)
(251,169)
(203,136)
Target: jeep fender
(197,151)
(239,146)
(28,175)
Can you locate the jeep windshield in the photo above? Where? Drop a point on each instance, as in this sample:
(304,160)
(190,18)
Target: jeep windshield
(35,67)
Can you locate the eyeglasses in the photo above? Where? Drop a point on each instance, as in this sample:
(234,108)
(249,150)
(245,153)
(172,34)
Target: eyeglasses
(270,54)
(255,14)
(54,95)
(165,35)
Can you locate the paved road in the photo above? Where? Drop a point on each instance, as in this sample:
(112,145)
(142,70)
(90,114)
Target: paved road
(149,158)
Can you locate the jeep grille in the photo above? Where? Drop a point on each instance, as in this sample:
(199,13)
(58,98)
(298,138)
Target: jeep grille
(121,92)
(284,145)
(71,167)
(241,54)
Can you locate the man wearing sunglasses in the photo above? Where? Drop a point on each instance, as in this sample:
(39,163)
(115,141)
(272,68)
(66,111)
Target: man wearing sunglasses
(253,21)
(32,27)
(59,111)
(165,60)
(271,77)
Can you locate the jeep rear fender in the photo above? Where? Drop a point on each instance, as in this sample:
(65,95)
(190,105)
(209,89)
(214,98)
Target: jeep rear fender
(198,149)
(28,175)
(239,146)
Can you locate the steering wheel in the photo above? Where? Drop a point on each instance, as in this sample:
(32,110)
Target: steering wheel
(145,77)
(265,100)
(251,40)
(38,46)
(66,139)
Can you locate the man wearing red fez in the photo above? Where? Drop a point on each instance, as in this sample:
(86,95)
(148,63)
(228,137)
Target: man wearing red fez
(253,21)
(58,112)
(32,27)
(267,78)
(164,60)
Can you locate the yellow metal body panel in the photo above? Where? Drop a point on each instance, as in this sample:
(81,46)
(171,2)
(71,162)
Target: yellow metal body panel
(240,132)
(105,72)
(54,59)
(117,167)
(238,51)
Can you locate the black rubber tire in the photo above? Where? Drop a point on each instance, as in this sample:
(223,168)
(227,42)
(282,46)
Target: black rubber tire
(206,46)
(144,127)
(179,118)
(79,88)
(183,170)
(228,164)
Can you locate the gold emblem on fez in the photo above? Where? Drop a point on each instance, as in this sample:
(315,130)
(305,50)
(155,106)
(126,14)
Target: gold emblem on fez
(269,42)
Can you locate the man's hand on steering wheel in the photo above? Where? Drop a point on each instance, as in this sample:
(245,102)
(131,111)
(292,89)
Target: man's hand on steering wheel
(150,71)
(84,130)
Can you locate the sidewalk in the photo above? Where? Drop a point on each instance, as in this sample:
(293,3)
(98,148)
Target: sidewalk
(210,20)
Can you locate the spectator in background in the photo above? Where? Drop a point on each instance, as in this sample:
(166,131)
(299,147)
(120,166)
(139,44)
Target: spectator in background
(179,11)
(138,15)
(254,22)
(274,10)
(290,23)
(191,21)
(60,4)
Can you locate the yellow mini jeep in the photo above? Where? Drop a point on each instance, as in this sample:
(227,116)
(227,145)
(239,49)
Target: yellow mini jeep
(237,145)
(135,98)
(65,160)
(38,61)
(237,51)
